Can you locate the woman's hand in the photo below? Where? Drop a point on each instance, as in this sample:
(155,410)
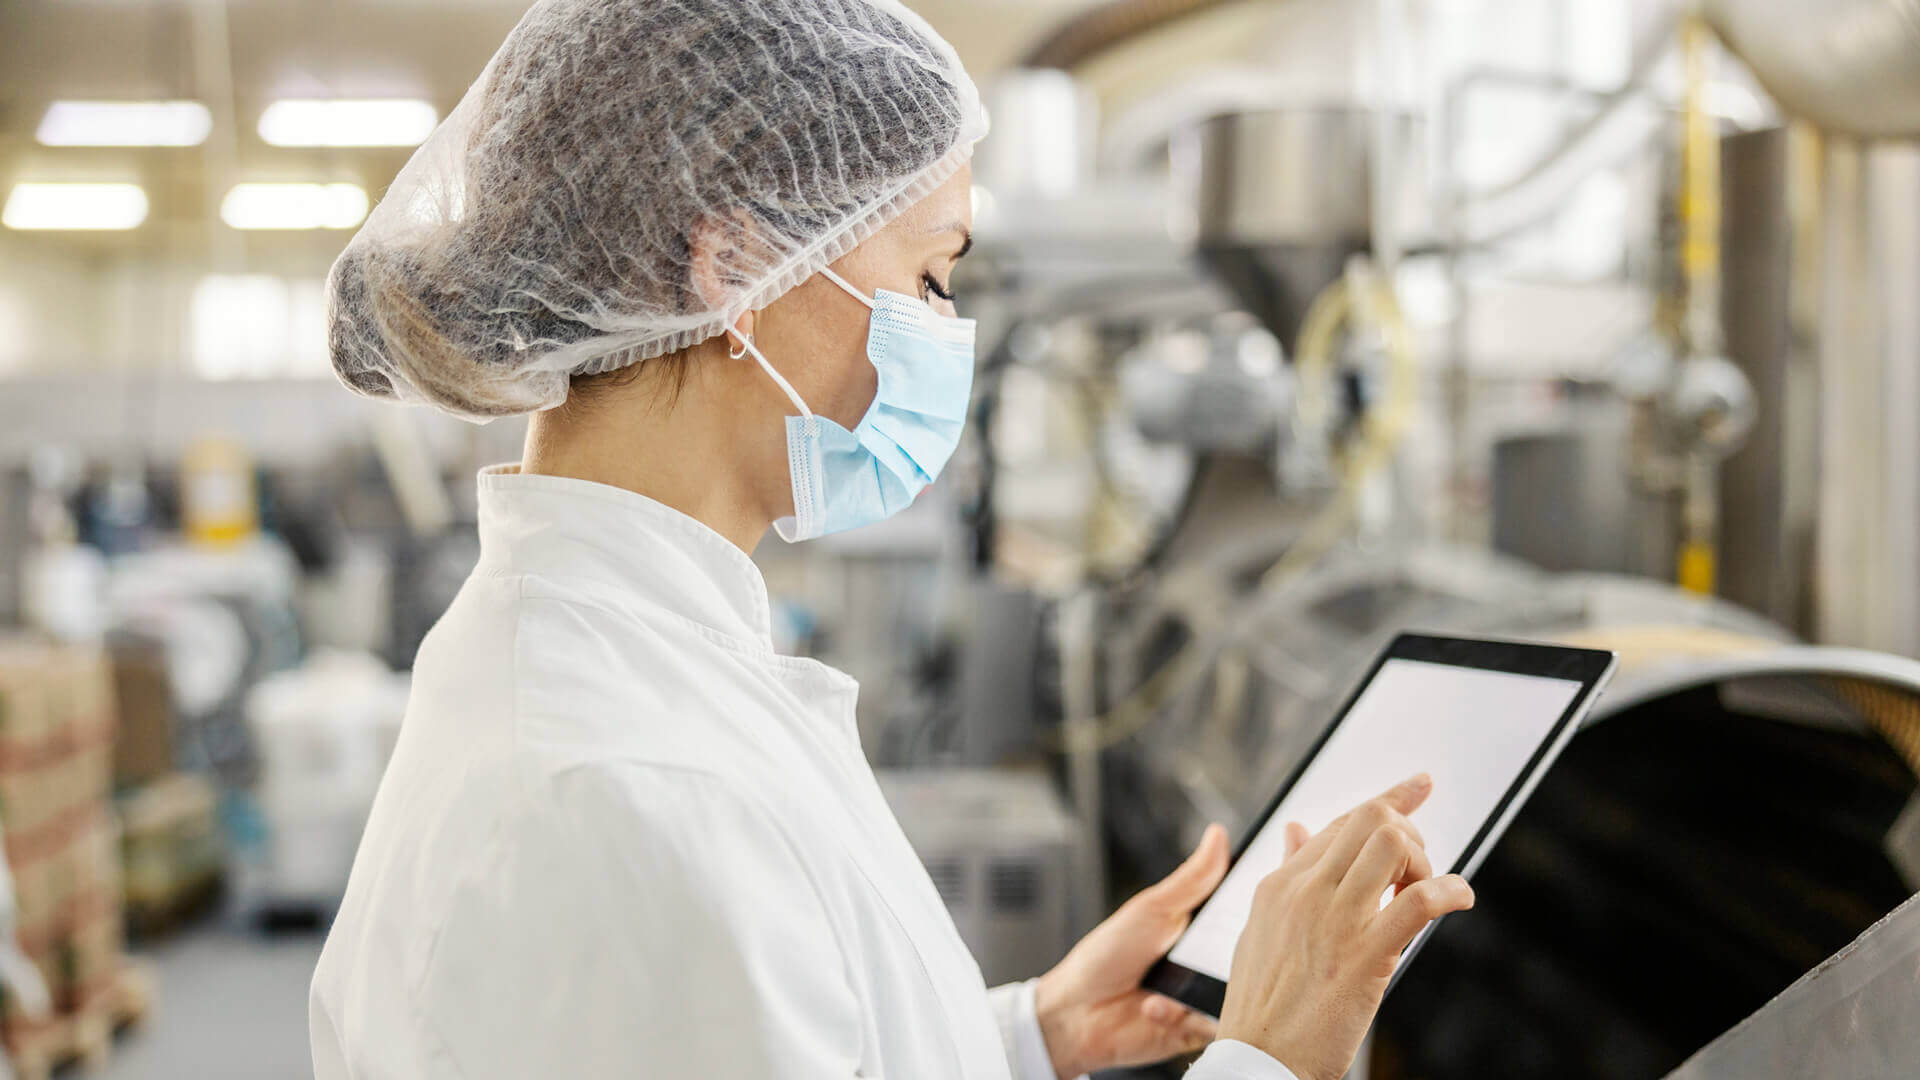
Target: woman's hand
(1093,1012)
(1318,950)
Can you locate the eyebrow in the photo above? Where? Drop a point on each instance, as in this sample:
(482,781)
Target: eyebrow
(966,242)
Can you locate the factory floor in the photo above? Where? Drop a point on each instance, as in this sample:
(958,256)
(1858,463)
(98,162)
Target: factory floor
(231,1004)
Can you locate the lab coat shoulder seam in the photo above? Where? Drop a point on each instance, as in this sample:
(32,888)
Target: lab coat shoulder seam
(485,856)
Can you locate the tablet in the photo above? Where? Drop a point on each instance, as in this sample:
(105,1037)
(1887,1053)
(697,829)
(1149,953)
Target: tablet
(1484,718)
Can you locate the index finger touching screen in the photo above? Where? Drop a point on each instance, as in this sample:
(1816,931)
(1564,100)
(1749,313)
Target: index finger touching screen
(1472,729)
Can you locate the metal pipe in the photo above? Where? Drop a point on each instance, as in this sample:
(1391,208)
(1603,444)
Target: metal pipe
(1079,697)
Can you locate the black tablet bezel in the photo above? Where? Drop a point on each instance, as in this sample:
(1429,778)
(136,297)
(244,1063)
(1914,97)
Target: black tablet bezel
(1590,666)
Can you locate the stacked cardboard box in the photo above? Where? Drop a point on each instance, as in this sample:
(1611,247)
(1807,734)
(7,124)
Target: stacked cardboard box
(62,844)
(171,851)
(143,702)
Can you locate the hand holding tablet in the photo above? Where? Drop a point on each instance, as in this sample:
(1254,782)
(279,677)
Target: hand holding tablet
(1316,925)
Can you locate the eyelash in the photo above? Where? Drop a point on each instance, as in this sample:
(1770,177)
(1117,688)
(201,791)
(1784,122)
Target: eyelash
(934,287)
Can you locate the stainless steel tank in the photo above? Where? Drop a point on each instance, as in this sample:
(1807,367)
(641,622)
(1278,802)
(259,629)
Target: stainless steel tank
(1283,197)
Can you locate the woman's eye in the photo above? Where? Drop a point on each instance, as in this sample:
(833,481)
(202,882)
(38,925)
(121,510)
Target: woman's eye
(935,288)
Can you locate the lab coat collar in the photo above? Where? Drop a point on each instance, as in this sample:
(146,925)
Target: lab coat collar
(611,538)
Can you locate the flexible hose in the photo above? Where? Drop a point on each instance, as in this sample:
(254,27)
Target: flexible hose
(1333,309)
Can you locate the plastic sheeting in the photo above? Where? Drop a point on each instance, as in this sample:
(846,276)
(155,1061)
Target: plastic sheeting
(1851,1018)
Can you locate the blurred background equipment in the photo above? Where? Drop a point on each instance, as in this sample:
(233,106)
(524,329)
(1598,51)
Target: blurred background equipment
(322,734)
(999,846)
(1301,323)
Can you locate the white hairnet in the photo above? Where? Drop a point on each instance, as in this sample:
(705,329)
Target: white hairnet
(543,230)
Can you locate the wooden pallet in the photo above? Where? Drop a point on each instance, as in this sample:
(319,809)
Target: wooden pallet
(150,917)
(84,1037)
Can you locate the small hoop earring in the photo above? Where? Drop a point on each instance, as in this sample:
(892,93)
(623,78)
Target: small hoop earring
(737,350)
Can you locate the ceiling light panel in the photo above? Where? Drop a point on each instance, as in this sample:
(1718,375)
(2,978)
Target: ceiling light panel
(371,122)
(124,123)
(294,206)
(75,207)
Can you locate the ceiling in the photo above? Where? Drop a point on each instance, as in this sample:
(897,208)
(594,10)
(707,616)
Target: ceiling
(165,49)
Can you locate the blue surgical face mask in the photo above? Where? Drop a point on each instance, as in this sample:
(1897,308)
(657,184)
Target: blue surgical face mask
(845,479)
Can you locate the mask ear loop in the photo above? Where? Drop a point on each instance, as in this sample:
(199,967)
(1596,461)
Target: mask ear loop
(746,343)
(842,282)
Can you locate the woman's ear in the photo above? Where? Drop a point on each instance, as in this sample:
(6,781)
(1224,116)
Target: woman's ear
(743,326)
(724,253)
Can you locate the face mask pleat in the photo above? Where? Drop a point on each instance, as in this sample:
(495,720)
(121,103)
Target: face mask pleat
(845,479)
(909,441)
(876,486)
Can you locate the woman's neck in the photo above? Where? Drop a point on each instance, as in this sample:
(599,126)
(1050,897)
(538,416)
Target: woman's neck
(667,442)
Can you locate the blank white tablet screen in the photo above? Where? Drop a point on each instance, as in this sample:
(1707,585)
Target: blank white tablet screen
(1473,730)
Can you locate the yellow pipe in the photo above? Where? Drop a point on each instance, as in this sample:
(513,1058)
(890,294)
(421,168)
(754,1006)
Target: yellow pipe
(1700,196)
(1696,561)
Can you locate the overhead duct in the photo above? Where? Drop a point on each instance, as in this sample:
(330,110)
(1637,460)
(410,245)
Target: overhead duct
(1849,66)
(1104,26)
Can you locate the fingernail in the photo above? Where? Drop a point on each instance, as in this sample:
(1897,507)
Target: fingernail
(1423,780)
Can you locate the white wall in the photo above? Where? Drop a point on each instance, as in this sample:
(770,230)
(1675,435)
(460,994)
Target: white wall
(280,421)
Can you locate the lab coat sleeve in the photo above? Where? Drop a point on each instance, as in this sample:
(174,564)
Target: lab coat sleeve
(1013,1009)
(1230,1059)
(640,920)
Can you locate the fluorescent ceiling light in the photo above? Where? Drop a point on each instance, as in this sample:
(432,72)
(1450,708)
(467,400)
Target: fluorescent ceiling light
(125,123)
(294,206)
(394,122)
(75,206)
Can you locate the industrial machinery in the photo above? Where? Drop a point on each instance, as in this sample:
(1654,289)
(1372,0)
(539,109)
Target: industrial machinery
(1846,1017)
(1736,813)
(1230,337)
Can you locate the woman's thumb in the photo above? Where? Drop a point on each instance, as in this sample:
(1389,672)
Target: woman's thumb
(1193,879)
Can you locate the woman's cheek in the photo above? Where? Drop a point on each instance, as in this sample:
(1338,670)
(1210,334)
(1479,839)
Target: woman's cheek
(862,382)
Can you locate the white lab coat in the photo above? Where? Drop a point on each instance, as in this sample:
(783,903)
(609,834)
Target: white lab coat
(622,837)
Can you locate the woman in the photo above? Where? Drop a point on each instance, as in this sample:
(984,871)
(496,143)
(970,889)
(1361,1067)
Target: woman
(707,243)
